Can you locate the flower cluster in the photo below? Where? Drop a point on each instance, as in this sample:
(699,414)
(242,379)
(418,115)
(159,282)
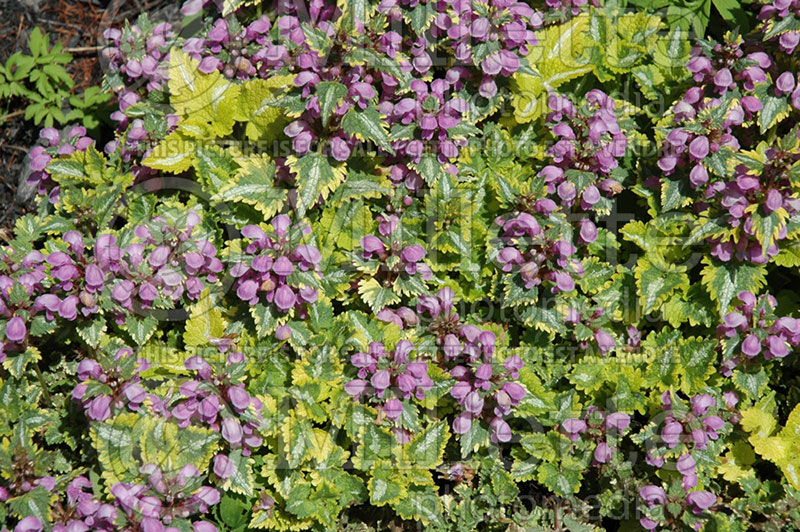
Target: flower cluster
(436,112)
(720,67)
(164,497)
(588,328)
(138,53)
(601,427)
(83,510)
(167,261)
(658,502)
(394,258)
(691,428)
(777,11)
(270,268)
(538,252)
(389,379)
(753,329)
(484,388)
(588,146)
(110,387)
(216,397)
(55,144)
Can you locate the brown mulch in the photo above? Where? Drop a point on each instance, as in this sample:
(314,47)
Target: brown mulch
(78,25)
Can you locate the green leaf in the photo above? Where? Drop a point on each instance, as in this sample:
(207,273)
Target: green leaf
(656,284)
(115,441)
(330,95)
(427,447)
(386,485)
(242,479)
(420,503)
(697,357)
(205,322)
(315,177)
(36,503)
(140,329)
(420,17)
(266,319)
(377,296)
(255,185)
(16,364)
(429,168)
(775,108)
(92,332)
(724,280)
(563,482)
(367,124)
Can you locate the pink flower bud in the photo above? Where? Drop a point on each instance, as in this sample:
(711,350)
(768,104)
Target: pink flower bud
(16,330)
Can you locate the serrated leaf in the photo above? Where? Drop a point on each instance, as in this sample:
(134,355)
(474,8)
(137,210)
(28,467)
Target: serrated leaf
(241,481)
(367,124)
(330,94)
(140,328)
(315,177)
(427,448)
(255,185)
(377,296)
(92,332)
(724,280)
(420,504)
(205,322)
(386,485)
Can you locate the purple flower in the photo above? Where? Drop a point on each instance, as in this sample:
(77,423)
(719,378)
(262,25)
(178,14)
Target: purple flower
(393,408)
(564,282)
(462,423)
(514,390)
(94,278)
(603,453)
(239,397)
(723,79)
(356,387)
(605,342)
(501,430)
(785,82)
(29,524)
(231,431)
(223,467)
(380,380)
(699,147)
(751,346)
(701,403)
(473,402)
(653,495)
(685,464)
(703,500)
(647,523)
(285,298)
(671,433)
(777,347)
(412,254)
(16,330)
(99,408)
(573,427)
(618,420)
(282,267)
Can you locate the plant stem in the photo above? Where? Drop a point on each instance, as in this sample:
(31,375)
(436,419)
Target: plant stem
(45,392)
(82,49)
(12,115)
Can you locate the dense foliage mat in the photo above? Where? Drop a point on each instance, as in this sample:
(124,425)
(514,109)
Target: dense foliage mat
(409,265)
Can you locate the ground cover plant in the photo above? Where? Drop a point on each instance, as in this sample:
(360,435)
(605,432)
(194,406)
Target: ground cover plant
(410,265)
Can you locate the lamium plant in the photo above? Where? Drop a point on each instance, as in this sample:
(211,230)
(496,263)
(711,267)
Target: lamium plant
(414,265)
